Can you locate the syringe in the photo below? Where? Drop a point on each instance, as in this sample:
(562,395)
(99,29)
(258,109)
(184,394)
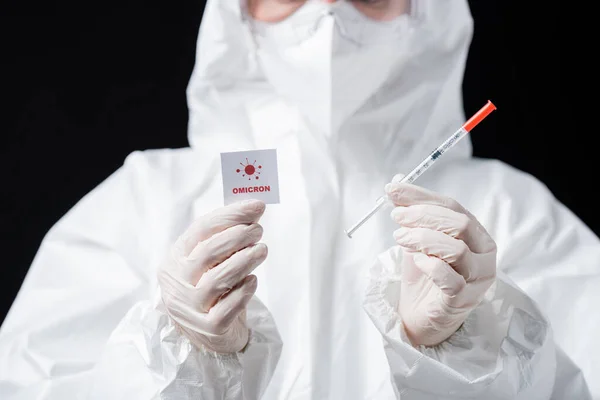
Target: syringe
(430,160)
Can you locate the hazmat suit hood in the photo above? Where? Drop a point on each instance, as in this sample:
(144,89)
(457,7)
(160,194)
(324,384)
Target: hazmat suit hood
(413,107)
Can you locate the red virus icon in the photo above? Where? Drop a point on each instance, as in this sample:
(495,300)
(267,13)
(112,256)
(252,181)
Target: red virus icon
(249,170)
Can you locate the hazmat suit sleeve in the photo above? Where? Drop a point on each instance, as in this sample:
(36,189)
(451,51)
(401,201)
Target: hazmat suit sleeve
(88,322)
(485,359)
(506,349)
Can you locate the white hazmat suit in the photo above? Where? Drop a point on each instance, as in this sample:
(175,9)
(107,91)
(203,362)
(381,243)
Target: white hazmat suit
(89,321)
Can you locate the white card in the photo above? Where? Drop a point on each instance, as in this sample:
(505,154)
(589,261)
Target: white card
(250,175)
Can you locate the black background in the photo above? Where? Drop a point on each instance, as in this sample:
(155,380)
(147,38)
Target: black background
(82,88)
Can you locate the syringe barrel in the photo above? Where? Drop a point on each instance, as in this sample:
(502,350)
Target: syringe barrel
(430,160)
(434,156)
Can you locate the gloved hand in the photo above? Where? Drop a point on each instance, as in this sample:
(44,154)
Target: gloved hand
(205,284)
(448,263)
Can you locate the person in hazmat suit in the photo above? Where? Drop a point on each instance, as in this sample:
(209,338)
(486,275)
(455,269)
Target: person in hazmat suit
(481,285)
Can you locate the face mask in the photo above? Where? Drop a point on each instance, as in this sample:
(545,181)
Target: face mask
(328,59)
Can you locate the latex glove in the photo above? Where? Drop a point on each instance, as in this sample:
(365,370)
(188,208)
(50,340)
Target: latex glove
(205,284)
(448,263)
